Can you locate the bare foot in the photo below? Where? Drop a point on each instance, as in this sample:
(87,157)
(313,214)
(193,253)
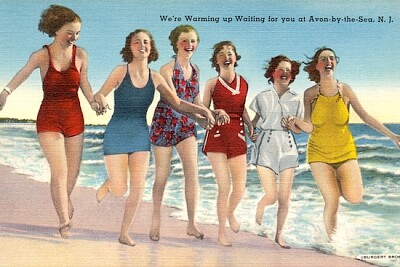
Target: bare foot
(194,231)
(126,240)
(64,230)
(259,214)
(155,227)
(222,240)
(233,223)
(102,192)
(281,242)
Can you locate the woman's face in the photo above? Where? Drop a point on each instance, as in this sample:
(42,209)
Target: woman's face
(187,43)
(226,57)
(68,34)
(283,73)
(326,63)
(140,45)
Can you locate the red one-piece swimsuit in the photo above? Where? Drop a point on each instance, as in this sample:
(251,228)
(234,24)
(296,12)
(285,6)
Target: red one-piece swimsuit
(228,138)
(60,110)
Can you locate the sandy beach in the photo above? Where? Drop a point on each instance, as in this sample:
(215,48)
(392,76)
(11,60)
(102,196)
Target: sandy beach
(29,235)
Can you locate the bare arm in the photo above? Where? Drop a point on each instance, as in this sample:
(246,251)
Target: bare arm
(221,115)
(113,81)
(84,82)
(305,124)
(254,124)
(178,104)
(34,62)
(367,118)
(248,122)
(166,72)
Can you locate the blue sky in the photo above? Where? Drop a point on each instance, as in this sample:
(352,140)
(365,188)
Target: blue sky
(368,50)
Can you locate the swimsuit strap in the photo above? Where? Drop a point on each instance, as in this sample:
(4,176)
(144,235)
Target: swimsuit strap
(235,91)
(48,51)
(73,54)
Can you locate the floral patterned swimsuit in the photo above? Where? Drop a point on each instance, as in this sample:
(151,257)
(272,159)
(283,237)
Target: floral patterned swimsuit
(168,126)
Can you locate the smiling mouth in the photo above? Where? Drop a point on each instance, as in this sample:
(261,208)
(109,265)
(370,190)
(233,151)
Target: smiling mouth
(189,49)
(284,77)
(329,67)
(227,63)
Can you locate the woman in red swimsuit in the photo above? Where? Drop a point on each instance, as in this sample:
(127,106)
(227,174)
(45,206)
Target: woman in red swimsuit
(60,125)
(225,144)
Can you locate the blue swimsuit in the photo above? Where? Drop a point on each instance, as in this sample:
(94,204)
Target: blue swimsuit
(128,132)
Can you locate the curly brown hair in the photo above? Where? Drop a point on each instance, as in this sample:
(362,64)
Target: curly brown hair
(217,48)
(126,51)
(274,63)
(174,35)
(55,17)
(310,66)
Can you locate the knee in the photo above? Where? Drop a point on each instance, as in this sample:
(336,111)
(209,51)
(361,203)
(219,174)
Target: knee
(117,191)
(74,174)
(284,204)
(270,199)
(354,198)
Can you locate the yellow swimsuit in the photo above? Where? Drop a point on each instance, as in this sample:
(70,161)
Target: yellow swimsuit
(331,140)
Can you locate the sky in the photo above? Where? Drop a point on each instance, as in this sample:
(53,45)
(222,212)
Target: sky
(363,34)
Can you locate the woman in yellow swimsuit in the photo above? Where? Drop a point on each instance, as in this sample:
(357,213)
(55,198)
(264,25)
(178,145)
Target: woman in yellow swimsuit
(331,151)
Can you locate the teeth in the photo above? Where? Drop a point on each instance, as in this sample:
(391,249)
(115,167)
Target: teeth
(227,63)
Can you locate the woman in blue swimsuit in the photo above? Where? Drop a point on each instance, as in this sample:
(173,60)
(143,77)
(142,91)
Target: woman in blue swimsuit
(126,139)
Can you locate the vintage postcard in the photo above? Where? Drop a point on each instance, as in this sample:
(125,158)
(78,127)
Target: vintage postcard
(361,41)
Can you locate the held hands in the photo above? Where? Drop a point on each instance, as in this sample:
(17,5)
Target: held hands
(102,105)
(210,119)
(288,122)
(253,137)
(95,106)
(221,117)
(206,120)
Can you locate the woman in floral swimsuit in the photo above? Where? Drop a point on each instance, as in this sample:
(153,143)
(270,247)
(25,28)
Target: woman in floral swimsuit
(170,128)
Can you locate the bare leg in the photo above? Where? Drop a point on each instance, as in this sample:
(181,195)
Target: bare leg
(73,149)
(285,190)
(138,165)
(350,179)
(325,178)
(268,182)
(102,191)
(58,153)
(162,156)
(187,150)
(219,164)
(238,168)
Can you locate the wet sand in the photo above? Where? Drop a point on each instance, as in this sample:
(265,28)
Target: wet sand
(29,235)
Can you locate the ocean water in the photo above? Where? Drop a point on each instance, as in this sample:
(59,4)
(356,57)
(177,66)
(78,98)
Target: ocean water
(364,231)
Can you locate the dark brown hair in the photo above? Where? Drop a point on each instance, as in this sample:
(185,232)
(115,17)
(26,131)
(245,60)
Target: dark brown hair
(310,66)
(217,48)
(126,51)
(274,63)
